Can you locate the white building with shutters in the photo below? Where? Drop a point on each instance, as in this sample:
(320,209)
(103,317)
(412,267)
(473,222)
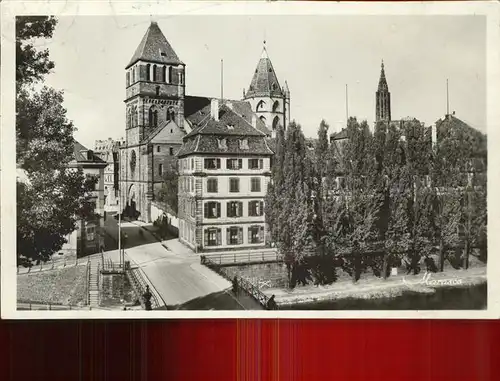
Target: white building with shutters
(224,171)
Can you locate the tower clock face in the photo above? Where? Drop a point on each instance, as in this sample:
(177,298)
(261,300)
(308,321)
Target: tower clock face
(133,161)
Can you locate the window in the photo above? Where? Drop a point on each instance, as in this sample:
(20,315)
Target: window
(160,169)
(260,105)
(256,234)
(213,237)
(255,208)
(255,163)
(153,116)
(234,163)
(128,79)
(170,115)
(234,185)
(154,73)
(169,72)
(243,143)
(234,209)
(133,75)
(192,163)
(158,149)
(212,209)
(181,78)
(164,73)
(90,233)
(212,163)
(148,72)
(193,208)
(222,143)
(171,151)
(157,90)
(212,185)
(234,235)
(255,184)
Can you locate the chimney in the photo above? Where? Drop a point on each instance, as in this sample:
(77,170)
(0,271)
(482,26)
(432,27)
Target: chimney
(214,110)
(254,121)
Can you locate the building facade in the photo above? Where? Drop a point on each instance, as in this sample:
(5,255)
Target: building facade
(108,151)
(224,171)
(160,115)
(88,237)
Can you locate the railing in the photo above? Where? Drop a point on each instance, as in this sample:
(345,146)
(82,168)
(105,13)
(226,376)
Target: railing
(53,306)
(139,284)
(87,283)
(251,256)
(243,283)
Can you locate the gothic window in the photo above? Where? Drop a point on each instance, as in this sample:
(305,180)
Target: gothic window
(153,116)
(164,74)
(273,86)
(263,119)
(171,151)
(133,75)
(154,73)
(128,79)
(276,122)
(135,117)
(148,72)
(169,74)
(276,105)
(260,106)
(170,114)
(133,161)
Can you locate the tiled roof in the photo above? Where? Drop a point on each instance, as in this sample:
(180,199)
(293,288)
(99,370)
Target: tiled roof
(197,112)
(80,155)
(208,144)
(479,139)
(154,47)
(339,135)
(264,81)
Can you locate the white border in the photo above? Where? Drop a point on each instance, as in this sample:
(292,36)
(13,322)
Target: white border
(67,8)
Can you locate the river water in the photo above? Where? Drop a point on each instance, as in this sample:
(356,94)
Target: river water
(445,298)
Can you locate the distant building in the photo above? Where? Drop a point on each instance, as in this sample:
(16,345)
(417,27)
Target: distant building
(87,238)
(108,151)
(224,170)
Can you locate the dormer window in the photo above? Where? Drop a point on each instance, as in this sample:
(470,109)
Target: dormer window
(243,143)
(230,127)
(222,143)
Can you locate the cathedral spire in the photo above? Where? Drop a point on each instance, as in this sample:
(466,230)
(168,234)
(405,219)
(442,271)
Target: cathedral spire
(383,98)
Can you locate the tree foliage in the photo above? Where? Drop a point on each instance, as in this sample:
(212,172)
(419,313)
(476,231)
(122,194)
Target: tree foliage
(53,197)
(170,186)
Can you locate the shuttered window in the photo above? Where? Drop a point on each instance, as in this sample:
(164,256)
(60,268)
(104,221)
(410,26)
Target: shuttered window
(212,210)
(255,208)
(234,235)
(234,164)
(212,185)
(212,163)
(256,234)
(234,185)
(234,209)
(213,237)
(255,184)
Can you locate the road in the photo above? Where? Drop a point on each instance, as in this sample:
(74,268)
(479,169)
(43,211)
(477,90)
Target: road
(178,278)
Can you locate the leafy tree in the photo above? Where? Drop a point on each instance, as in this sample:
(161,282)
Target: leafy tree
(169,189)
(54,197)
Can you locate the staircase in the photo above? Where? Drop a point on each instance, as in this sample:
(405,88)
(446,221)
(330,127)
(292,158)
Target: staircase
(94,272)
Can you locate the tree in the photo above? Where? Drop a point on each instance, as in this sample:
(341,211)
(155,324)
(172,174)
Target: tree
(53,197)
(170,188)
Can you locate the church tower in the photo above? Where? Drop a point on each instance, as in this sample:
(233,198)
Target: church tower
(154,103)
(269,101)
(383,99)
(154,86)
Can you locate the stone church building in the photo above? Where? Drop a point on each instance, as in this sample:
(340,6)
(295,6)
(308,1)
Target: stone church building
(159,115)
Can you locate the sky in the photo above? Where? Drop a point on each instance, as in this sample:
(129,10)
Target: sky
(316,55)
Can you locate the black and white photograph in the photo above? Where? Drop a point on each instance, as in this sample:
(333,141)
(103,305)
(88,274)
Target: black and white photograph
(257,160)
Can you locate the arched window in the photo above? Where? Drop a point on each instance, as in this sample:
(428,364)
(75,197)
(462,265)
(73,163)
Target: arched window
(129,118)
(263,118)
(164,74)
(153,116)
(260,106)
(128,79)
(133,75)
(154,73)
(276,122)
(273,86)
(276,105)
(148,71)
(135,116)
(170,114)
(170,74)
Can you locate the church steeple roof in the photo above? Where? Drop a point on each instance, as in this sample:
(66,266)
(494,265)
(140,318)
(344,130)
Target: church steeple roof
(382,82)
(264,81)
(154,47)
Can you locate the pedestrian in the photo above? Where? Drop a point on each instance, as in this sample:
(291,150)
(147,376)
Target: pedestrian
(271,303)
(235,285)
